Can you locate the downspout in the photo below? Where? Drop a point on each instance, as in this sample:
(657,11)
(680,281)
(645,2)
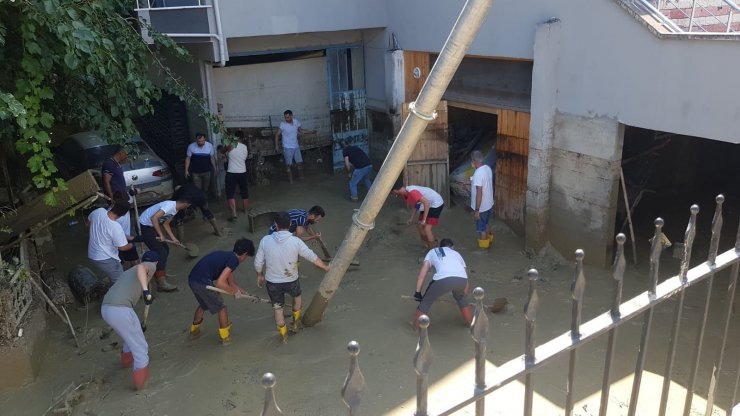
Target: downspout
(421,113)
(220,33)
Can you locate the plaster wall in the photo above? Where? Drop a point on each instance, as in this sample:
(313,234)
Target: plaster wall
(251,93)
(278,17)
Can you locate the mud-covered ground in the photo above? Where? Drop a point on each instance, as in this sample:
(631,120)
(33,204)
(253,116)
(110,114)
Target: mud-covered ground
(203,378)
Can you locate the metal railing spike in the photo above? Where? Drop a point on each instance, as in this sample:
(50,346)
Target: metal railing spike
(618,276)
(689,236)
(656,248)
(530,314)
(479,333)
(354,383)
(577,288)
(422,362)
(270,407)
(711,261)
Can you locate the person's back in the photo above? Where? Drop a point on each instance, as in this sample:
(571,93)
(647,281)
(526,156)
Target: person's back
(210,266)
(357,157)
(127,289)
(279,253)
(238,159)
(106,235)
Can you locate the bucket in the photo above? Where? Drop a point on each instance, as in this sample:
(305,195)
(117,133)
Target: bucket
(678,250)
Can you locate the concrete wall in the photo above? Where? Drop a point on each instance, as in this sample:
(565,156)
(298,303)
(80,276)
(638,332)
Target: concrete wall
(278,17)
(251,93)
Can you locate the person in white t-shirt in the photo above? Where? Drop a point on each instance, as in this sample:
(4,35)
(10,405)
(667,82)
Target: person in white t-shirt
(428,203)
(288,131)
(450,276)
(236,174)
(481,198)
(153,220)
(107,238)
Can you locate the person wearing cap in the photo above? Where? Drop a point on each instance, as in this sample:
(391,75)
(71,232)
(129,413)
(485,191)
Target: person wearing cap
(428,203)
(217,269)
(118,312)
(450,275)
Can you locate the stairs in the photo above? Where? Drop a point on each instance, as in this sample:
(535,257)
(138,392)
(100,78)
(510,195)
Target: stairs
(702,16)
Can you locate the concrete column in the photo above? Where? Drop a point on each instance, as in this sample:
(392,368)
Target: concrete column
(541,127)
(586,156)
(394,88)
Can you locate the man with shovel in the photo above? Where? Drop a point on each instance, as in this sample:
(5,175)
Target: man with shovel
(152,221)
(118,312)
(276,263)
(217,269)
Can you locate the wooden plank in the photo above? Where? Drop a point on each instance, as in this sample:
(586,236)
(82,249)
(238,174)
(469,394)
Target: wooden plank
(411,60)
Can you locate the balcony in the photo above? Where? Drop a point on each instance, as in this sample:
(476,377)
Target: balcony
(195,24)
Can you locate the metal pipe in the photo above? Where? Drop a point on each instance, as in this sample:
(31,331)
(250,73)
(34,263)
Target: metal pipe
(712,262)
(422,362)
(657,14)
(647,323)
(462,35)
(618,275)
(689,236)
(693,12)
(220,32)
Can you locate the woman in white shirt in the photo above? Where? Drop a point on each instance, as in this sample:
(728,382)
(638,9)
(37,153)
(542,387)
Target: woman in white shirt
(236,174)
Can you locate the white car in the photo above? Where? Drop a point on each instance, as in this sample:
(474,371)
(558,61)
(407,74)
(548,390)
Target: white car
(143,169)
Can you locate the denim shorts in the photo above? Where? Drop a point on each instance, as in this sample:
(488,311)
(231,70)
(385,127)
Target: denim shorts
(482,223)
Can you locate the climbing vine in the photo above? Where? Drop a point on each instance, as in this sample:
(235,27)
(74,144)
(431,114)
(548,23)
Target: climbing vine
(80,63)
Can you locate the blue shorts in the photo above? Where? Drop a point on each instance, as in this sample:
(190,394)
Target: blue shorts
(292,154)
(482,223)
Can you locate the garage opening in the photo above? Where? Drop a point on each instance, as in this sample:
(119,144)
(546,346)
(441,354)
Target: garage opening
(665,174)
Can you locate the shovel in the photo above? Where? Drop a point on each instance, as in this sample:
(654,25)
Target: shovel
(238,295)
(190,248)
(327,255)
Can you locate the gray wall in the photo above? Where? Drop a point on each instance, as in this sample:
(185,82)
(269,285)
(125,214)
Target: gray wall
(272,17)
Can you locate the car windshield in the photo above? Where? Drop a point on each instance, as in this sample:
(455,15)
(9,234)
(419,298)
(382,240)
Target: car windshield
(96,155)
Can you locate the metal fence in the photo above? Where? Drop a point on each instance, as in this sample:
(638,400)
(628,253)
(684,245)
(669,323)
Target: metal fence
(606,324)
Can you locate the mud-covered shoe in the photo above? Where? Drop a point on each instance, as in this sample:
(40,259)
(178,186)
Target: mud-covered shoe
(164,286)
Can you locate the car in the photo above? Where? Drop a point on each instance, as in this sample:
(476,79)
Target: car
(143,169)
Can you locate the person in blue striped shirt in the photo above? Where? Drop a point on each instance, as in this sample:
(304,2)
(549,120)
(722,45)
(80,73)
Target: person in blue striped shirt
(301,221)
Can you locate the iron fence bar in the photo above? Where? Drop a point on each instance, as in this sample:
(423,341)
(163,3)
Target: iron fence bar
(618,276)
(270,407)
(729,22)
(530,314)
(689,237)
(597,326)
(354,383)
(693,12)
(716,370)
(711,260)
(655,250)
(422,361)
(576,288)
(479,333)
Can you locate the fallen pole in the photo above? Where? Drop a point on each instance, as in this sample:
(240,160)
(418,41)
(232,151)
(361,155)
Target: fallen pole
(421,112)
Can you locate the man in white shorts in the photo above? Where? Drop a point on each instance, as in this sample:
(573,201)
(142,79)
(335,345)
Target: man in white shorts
(289,130)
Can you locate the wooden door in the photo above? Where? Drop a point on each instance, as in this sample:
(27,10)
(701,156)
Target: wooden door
(429,163)
(512,154)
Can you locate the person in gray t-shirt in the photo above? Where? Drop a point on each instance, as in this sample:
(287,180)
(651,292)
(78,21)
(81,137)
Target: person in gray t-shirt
(118,312)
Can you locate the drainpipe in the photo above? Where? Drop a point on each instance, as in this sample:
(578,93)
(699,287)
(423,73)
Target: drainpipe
(421,113)
(220,33)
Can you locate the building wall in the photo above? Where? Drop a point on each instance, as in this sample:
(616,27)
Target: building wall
(278,17)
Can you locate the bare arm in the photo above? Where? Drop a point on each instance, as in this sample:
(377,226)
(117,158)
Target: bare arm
(301,130)
(169,230)
(306,233)
(422,275)
(227,282)
(320,264)
(141,276)
(427,205)
(347,165)
(478,199)
(278,136)
(155,223)
(187,166)
(413,214)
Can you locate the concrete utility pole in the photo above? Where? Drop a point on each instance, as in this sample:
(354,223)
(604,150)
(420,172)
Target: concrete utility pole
(421,113)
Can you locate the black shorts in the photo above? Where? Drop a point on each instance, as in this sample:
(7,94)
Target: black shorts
(208,300)
(433,217)
(234,179)
(128,255)
(277,291)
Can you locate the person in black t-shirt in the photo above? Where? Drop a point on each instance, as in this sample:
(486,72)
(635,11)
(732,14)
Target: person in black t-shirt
(358,167)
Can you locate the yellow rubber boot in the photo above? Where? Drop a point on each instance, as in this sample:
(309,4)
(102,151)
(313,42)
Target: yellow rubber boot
(295,327)
(490,238)
(195,330)
(283,330)
(225,334)
(484,244)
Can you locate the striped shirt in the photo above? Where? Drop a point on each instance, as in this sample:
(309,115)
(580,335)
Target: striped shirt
(298,218)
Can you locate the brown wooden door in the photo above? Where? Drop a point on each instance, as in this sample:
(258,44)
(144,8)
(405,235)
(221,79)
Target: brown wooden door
(512,155)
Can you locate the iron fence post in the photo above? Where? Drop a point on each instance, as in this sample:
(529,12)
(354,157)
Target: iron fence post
(577,289)
(270,407)
(354,383)
(711,261)
(689,236)
(655,251)
(618,276)
(530,314)
(479,333)
(422,362)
